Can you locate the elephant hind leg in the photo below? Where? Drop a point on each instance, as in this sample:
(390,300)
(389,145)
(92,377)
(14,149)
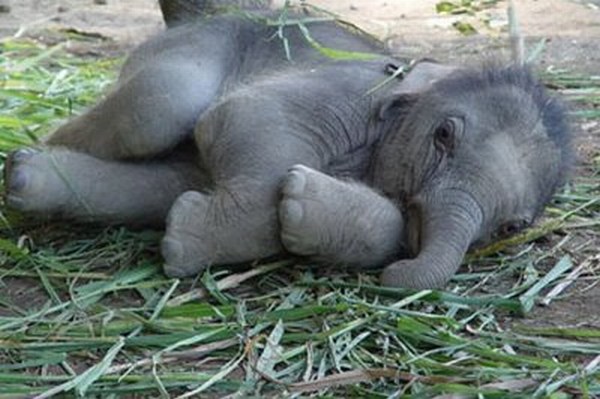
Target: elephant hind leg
(148,113)
(60,182)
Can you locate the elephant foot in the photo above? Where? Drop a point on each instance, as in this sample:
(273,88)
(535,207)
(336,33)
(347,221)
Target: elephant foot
(185,248)
(305,212)
(33,182)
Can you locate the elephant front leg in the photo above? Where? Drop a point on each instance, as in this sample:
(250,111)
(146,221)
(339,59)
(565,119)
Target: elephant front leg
(337,221)
(233,224)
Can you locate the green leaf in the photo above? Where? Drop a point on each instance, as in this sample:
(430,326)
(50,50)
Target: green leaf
(528,298)
(271,354)
(9,248)
(464,28)
(82,382)
(211,285)
(444,7)
(336,53)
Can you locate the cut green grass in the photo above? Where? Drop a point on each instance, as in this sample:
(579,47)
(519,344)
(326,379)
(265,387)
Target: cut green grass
(41,86)
(85,310)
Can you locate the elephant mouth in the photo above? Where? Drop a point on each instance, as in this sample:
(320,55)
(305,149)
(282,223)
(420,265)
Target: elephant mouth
(414,228)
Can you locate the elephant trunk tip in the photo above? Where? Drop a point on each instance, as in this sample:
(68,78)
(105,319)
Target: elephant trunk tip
(414,274)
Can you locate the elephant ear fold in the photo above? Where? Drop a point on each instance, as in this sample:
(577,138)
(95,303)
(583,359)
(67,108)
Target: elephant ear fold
(396,104)
(420,79)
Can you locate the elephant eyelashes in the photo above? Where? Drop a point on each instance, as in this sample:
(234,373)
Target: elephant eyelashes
(445,135)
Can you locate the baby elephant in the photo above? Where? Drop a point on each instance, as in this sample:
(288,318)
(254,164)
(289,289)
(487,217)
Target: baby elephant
(245,147)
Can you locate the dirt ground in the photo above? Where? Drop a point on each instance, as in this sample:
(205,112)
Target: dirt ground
(411,29)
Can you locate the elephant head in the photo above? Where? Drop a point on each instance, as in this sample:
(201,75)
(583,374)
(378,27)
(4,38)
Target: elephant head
(469,155)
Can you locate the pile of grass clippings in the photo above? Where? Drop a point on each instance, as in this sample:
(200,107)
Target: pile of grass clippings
(85,310)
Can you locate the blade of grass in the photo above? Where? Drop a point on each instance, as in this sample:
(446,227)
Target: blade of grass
(82,382)
(528,298)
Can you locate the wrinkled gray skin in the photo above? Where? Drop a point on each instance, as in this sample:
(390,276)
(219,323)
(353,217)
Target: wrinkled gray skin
(246,155)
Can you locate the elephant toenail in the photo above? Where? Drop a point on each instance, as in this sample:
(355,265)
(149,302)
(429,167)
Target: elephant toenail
(290,211)
(295,183)
(17,181)
(14,202)
(22,154)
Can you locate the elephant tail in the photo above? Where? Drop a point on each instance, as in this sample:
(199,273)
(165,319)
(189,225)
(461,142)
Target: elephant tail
(176,12)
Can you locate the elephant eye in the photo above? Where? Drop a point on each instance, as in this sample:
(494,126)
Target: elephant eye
(511,228)
(444,135)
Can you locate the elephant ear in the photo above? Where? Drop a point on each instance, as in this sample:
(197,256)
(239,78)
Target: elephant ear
(420,79)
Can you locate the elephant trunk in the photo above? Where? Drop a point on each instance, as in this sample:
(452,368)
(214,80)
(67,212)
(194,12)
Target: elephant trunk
(441,227)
